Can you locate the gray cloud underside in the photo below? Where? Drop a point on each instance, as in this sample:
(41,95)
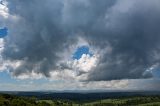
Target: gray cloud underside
(45,28)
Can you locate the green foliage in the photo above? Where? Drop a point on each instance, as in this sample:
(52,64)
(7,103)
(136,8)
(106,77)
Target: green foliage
(9,100)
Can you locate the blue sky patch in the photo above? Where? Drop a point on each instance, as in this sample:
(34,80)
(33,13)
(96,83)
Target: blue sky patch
(80,51)
(6,78)
(3,32)
(156,73)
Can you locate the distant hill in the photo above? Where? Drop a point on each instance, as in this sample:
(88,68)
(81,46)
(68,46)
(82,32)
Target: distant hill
(82,95)
(13,100)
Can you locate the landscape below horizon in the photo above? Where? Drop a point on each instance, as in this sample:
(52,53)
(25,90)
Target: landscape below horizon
(130,98)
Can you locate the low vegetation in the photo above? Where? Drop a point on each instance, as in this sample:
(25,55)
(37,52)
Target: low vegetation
(10,100)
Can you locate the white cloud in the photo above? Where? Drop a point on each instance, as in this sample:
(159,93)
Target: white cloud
(114,84)
(62,75)
(31,75)
(1,45)
(4,10)
(2,64)
(128,84)
(74,68)
(68,85)
(85,63)
(5,64)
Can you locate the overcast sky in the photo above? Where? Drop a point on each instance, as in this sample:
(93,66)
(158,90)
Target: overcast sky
(79,44)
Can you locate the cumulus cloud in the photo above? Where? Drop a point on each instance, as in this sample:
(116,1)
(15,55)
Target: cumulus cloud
(43,35)
(132,31)
(77,70)
(85,63)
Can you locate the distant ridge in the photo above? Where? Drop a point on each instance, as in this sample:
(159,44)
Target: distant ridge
(79,95)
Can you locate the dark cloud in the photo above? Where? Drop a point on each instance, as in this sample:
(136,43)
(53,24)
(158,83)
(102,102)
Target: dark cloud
(45,28)
(134,37)
(37,38)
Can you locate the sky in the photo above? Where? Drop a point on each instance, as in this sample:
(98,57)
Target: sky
(79,45)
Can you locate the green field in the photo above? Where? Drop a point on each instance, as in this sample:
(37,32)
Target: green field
(10,100)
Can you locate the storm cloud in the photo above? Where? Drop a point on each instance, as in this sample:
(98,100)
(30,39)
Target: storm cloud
(124,37)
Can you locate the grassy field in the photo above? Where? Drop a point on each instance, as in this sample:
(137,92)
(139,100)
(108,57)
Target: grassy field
(134,101)
(10,100)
